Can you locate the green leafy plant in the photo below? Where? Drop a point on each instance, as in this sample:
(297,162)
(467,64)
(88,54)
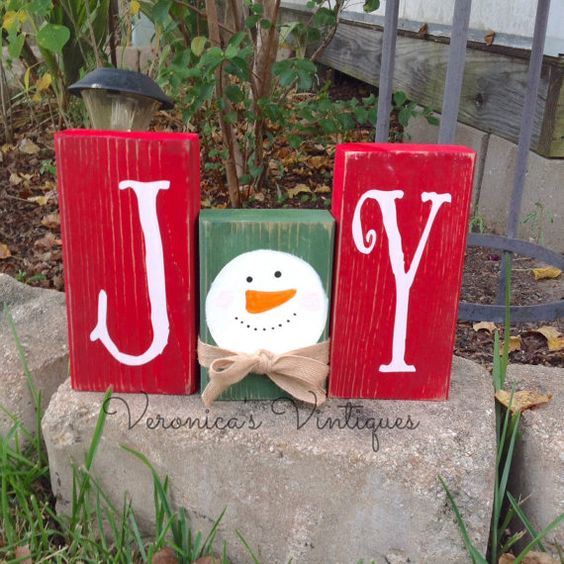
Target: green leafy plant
(71,36)
(222,68)
(505,507)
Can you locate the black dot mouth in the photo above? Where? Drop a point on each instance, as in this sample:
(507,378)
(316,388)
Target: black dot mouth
(260,327)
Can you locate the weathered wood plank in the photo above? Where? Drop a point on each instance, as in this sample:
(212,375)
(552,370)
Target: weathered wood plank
(493,88)
(129,206)
(227,315)
(402,216)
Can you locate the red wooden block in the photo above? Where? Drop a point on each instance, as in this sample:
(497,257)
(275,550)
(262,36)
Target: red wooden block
(129,206)
(402,220)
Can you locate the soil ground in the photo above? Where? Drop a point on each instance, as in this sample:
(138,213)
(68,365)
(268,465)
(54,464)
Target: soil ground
(30,244)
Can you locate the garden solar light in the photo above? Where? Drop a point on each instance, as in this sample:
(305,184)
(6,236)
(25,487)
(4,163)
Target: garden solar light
(120,99)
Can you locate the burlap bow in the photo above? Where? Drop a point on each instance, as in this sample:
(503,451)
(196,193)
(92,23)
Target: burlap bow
(301,372)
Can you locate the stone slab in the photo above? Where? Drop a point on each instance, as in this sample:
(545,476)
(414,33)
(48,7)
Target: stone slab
(538,469)
(542,212)
(421,131)
(308,494)
(40,319)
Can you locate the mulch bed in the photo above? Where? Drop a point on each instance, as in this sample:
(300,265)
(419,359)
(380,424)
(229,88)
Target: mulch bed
(30,244)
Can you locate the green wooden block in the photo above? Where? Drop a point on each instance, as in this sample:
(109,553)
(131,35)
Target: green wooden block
(256,291)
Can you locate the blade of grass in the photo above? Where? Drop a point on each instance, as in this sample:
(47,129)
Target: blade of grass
(550,527)
(472,550)
(524,519)
(246,545)
(508,460)
(208,542)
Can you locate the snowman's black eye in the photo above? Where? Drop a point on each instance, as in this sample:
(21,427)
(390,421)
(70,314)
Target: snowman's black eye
(249,278)
(277,274)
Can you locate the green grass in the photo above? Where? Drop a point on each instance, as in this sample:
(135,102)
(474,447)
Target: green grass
(94,529)
(505,507)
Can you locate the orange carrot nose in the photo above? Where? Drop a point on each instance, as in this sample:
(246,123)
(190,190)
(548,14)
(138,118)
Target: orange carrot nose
(257,302)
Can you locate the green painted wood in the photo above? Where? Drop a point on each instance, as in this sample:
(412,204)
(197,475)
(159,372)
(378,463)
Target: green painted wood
(225,234)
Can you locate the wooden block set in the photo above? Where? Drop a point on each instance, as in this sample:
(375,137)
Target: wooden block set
(357,303)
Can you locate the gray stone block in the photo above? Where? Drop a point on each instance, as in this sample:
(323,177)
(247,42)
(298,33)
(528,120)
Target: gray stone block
(40,320)
(542,213)
(538,470)
(420,131)
(310,494)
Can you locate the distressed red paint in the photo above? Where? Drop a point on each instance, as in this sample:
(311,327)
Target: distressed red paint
(104,249)
(368,359)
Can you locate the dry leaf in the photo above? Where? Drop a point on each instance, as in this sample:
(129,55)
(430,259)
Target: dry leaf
(539,558)
(23,554)
(134,7)
(208,560)
(39,200)
(47,242)
(546,272)
(44,82)
(531,558)
(165,556)
(206,203)
(489,38)
(320,162)
(514,344)
(47,186)
(488,326)
(28,147)
(423,30)
(51,221)
(4,251)
(298,189)
(522,400)
(259,197)
(15,179)
(323,189)
(554,338)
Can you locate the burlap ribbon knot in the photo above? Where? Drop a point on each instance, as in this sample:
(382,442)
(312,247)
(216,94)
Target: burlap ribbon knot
(301,372)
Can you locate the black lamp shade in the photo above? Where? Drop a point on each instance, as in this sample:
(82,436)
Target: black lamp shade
(122,81)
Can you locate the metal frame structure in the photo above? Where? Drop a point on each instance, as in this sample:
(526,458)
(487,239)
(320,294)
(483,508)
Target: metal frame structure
(508,243)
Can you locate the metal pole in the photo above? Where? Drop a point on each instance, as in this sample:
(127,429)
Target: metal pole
(455,71)
(526,132)
(387,71)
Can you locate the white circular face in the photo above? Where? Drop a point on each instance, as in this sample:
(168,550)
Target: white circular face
(266,300)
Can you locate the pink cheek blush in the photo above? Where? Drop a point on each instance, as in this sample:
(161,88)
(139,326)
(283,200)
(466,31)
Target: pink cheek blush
(310,301)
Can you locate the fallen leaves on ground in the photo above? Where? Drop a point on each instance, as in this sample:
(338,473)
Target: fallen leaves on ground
(531,558)
(488,326)
(51,221)
(39,200)
(522,400)
(514,344)
(322,189)
(47,242)
(165,556)
(28,147)
(554,338)
(298,189)
(4,251)
(546,272)
(23,554)
(15,179)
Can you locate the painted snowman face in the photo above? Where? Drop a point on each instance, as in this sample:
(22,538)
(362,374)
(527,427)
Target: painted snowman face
(266,300)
